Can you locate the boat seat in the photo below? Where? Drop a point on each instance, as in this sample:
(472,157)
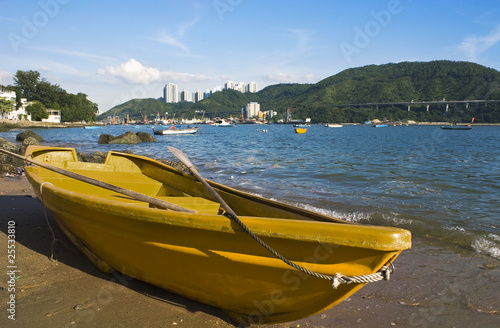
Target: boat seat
(149,188)
(198,204)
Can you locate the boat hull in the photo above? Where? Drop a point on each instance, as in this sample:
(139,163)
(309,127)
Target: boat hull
(300,130)
(457,127)
(175,131)
(205,256)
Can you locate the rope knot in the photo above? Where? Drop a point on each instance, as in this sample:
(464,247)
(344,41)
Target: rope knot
(336,280)
(387,270)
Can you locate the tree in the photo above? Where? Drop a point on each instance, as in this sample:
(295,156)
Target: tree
(27,82)
(37,111)
(6,106)
(73,108)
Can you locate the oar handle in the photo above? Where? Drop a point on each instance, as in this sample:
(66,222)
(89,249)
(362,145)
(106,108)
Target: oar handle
(145,198)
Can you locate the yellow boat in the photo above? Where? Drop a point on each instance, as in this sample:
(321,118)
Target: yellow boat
(203,254)
(300,130)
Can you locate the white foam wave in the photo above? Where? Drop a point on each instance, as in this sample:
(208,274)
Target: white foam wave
(393,217)
(455,228)
(488,245)
(351,217)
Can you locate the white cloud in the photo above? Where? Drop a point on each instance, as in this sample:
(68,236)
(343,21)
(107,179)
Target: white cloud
(474,46)
(290,78)
(134,72)
(73,53)
(171,40)
(175,39)
(5,78)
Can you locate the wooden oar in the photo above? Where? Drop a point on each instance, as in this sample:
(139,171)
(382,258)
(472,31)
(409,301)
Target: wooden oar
(145,198)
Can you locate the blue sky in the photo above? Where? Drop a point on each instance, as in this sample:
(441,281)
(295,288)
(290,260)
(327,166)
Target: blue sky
(114,51)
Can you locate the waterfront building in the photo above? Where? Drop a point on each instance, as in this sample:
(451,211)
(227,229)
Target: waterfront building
(16,113)
(54,116)
(252,109)
(270,113)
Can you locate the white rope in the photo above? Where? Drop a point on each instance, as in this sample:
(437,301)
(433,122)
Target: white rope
(383,274)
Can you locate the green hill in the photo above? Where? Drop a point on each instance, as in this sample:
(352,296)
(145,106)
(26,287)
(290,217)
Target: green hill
(402,82)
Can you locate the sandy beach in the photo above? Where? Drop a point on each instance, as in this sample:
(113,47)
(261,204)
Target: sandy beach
(68,291)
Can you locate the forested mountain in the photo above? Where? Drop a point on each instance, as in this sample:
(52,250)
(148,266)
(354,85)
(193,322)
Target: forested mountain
(327,100)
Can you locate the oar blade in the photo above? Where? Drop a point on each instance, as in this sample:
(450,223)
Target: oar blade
(180,156)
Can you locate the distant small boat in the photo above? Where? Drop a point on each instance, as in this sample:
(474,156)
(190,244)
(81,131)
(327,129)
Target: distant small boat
(301,125)
(332,125)
(380,125)
(224,124)
(300,130)
(456,127)
(91,127)
(173,130)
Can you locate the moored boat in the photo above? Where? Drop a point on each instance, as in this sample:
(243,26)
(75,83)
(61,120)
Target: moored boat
(456,127)
(224,124)
(333,125)
(174,130)
(203,255)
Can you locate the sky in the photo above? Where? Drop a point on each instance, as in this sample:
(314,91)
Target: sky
(114,51)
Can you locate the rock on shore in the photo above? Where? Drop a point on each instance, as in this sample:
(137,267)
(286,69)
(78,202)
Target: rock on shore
(128,137)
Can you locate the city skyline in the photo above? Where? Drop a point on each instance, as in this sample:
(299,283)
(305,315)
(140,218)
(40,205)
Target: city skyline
(171,93)
(114,51)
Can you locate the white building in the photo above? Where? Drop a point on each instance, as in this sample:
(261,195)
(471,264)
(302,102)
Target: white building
(197,96)
(170,93)
(251,87)
(270,113)
(54,116)
(15,114)
(252,109)
(240,86)
(8,95)
(184,95)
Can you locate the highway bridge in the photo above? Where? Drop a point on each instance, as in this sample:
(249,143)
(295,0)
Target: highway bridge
(444,102)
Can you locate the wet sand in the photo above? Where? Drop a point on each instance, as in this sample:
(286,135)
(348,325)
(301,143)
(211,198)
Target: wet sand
(433,286)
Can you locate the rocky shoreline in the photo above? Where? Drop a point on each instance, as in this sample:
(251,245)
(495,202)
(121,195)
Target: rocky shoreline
(7,125)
